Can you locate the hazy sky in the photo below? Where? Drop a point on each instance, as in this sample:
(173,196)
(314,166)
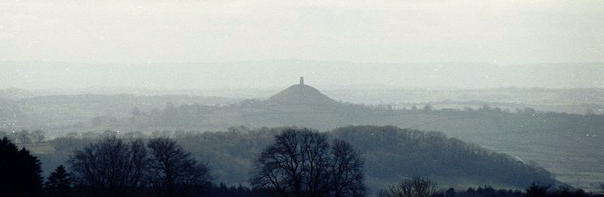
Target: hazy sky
(141,31)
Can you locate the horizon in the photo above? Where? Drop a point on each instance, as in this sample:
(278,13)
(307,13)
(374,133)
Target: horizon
(274,74)
(500,97)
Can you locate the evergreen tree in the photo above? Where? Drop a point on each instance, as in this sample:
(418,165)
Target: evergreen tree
(59,183)
(19,171)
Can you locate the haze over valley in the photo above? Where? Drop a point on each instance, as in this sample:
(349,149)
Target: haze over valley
(280,98)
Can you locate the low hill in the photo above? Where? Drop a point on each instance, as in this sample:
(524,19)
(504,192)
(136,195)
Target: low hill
(60,114)
(300,94)
(15,93)
(9,114)
(569,145)
(391,154)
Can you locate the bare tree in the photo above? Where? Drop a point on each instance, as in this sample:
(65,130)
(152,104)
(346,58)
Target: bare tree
(347,170)
(299,163)
(109,167)
(415,187)
(296,164)
(172,170)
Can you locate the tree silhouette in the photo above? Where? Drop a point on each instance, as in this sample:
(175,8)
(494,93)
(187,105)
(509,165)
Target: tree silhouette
(450,193)
(415,187)
(295,164)
(109,167)
(172,170)
(59,183)
(19,171)
(537,190)
(347,170)
(300,163)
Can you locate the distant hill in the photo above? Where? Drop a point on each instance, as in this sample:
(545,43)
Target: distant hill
(9,113)
(392,153)
(15,93)
(548,138)
(569,145)
(60,114)
(300,94)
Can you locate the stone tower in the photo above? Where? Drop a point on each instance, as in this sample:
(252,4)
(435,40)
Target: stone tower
(301,80)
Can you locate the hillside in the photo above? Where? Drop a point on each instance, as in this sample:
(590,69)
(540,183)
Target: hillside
(15,93)
(9,111)
(61,114)
(390,153)
(567,144)
(300,94)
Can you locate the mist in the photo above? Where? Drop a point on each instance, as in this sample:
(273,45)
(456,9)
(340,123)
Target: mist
(385,31)
(278,74)
(281,98)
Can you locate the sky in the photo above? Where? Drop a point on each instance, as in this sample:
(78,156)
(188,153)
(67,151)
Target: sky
(390,31)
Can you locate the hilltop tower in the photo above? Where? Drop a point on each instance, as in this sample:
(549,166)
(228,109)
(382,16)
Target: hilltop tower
(301,94)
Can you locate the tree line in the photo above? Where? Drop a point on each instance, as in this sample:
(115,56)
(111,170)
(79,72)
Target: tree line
(297,162)
(389,152)
(108,167)
(25,136)
(422,187)
(300,163)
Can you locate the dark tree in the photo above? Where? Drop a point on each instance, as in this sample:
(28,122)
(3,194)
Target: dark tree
(347,170)
(299,163)
(172,170)
(19,171)
(296,164)
(109,167)
(59,183)
(537,190)
(222,190)
(415,187)
(450,193)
